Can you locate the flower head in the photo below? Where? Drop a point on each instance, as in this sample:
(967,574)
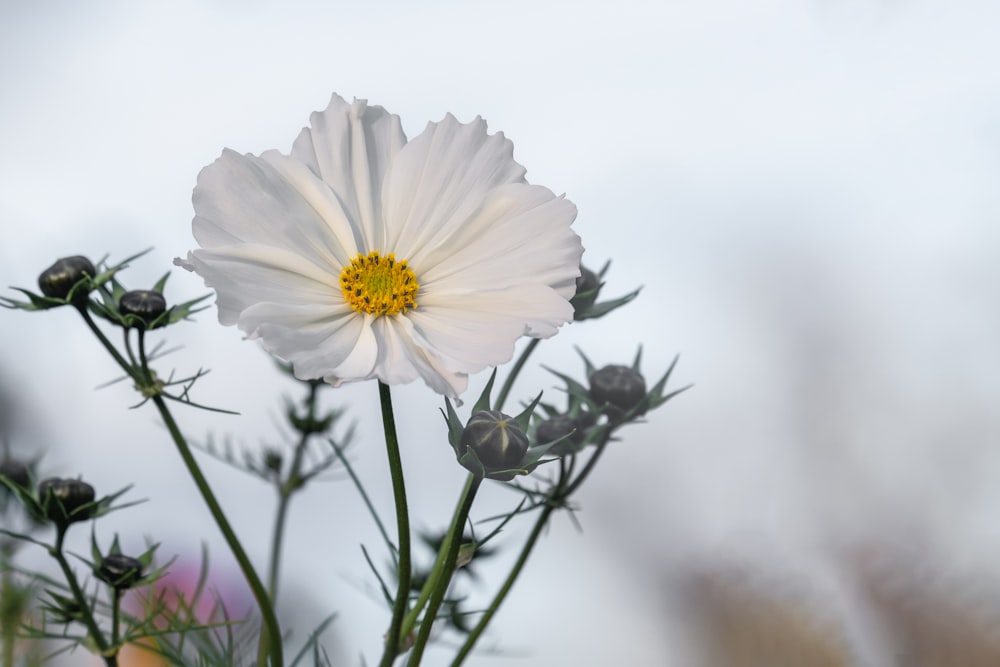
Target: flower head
(361,256)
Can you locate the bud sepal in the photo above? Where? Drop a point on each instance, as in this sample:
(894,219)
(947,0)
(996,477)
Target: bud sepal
(589,285)
(491,444)
(65,501)
(615,402)
(122,572)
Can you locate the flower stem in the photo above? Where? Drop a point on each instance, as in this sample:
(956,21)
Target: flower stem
(435,575)
(270,640)
(130,369)
(285,490)
(514,372)
(116,600)
(56,551)
(444,570)
(404,568)
(563,489)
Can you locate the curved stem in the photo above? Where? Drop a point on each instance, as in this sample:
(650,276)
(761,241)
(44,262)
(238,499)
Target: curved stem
(271,633)
(514,372)
(450,548)
(81,600)
(393,638)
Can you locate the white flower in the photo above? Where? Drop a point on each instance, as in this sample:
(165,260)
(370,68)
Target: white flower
(362,256)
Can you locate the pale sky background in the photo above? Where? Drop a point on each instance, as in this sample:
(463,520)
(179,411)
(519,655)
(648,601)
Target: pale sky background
(807,190)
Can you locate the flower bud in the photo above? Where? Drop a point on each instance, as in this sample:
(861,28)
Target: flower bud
(58,280)
(560,426)
(145,304)
(273,460)
(120,571)
(620,386)
(61,500)
(587,282)
(496,440)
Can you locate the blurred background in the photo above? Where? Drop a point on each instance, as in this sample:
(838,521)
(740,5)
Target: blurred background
(806,189)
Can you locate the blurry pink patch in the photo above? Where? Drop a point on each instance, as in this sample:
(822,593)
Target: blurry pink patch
(223,595)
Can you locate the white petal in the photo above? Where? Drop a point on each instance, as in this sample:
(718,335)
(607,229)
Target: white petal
(319,341)
(473,331)
(349,146)
(520,236)
(402,359)
(248,274)
(439,179)
(247,199)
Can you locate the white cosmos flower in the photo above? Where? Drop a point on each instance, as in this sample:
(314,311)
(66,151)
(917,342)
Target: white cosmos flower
(361,255)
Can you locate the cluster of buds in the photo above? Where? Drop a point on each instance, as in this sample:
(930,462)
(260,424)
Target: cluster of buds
(497,446)
(73,280)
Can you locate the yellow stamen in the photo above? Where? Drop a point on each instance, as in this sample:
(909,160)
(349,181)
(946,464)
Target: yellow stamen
(379,285)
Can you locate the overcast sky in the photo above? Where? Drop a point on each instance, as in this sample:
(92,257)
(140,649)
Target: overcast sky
(807,191)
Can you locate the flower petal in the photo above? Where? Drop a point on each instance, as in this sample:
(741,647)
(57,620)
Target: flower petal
(439,179)
(249,199)
(349,146)
(474,330)
(319,341)
(520,235)
(247,274)
(403,357)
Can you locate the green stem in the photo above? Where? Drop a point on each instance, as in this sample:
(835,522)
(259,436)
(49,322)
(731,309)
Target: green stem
(404,569)
(285,491)
(116,599)
(439,567)
(450,547)
(126,366)
(563,490)
(514,372)
(270,633)
(6,607)
(81,600)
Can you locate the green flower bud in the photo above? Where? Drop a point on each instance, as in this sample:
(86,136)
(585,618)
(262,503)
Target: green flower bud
(120,571)
(58,280)
(586,292)
(61,500)
(497,442)
(620,386)
(144,304)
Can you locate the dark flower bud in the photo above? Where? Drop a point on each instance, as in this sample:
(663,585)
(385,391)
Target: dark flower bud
(273,460)
(560,426)
(16,472)
(496,440)
(145,304)
(586,291)
(620,386)
(58,280)
(61,500)
(120,571)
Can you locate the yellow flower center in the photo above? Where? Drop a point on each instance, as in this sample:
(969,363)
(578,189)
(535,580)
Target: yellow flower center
(379,285)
